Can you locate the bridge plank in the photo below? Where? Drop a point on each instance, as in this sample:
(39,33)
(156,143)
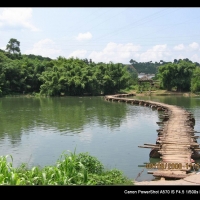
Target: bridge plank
(176,135)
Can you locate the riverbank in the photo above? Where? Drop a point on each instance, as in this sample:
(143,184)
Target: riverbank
(162,93)
(70,169)
(193,179)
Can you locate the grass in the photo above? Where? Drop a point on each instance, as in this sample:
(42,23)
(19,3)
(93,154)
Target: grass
(70,169)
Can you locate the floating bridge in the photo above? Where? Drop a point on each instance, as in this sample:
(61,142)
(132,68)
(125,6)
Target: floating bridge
(176,144)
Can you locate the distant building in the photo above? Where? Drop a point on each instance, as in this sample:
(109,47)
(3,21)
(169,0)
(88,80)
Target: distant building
(140,75)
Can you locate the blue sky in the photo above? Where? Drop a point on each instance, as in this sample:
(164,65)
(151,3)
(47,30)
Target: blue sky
(104,34)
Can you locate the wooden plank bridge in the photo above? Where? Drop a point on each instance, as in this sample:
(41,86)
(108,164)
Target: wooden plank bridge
(176,144)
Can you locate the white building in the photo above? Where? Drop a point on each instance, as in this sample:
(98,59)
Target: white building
(147,75)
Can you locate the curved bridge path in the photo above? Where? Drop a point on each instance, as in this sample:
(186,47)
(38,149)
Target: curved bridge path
(177,142)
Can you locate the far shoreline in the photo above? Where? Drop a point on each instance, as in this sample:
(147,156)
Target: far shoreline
(162,93)
(133,92)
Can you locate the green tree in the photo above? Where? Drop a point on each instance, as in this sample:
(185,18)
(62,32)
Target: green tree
(69,76)
(133,73)
(19,73)
(132,61)
(112,77)
(176,75)
(195,82)
(175,61)
(13,46)
(145,67)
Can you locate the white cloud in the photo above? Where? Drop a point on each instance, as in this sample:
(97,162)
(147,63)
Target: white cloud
(78,54)
(179,47)
(17,17)
(115,52)
(86,136)
(180,56)
(84,36)
(155,54)
(194,46)
(195,58)
(46,48)
(3,47)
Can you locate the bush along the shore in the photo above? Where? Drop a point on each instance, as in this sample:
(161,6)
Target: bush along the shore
(70,169)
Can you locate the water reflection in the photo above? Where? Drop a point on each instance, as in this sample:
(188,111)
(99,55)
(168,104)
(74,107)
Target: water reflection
(38,130)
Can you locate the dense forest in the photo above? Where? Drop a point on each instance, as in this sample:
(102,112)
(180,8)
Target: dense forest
(145,67)
(30,74)
(179,75)
(34,74)
(152,68)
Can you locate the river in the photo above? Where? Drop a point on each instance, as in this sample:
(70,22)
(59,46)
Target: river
(38,130)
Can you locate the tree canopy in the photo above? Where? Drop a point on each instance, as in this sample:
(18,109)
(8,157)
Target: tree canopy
(145,67)
(13,46)
(75,77)
(36,74)
(195,82)
(177,74)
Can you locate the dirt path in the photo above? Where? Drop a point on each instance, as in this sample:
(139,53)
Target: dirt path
(190,180)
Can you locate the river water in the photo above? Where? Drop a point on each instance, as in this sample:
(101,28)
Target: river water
(38,130)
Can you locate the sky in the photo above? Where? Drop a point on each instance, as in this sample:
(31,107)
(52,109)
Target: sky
(104,34)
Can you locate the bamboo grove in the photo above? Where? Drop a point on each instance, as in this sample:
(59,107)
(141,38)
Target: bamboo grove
(29,74)
(181,75)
